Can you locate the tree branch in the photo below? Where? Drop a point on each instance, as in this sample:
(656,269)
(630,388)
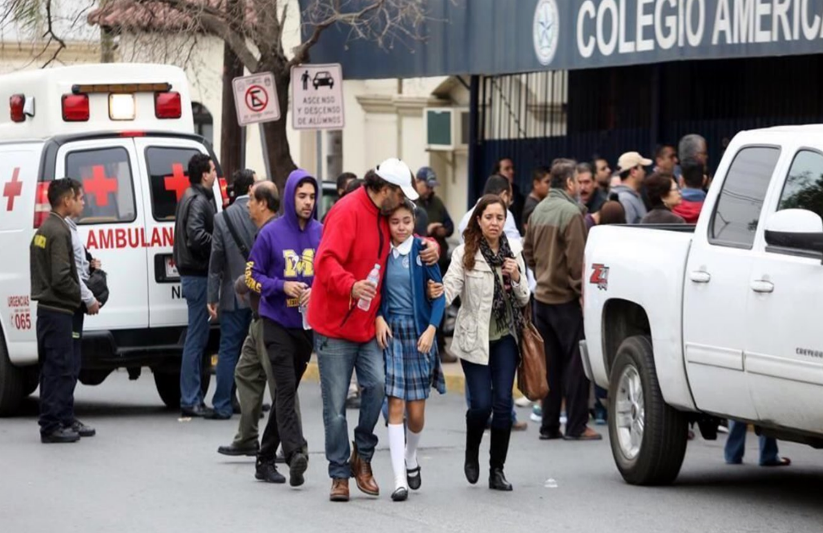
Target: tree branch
(52,36)
(301,52)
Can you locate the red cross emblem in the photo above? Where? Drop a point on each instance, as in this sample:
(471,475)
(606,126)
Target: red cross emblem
(177,182)
(13,189)
(99,185)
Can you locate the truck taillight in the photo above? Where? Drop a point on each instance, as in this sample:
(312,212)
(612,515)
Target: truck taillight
(42,208)
(224,191)
(75,107)
(168,105)
(17,103)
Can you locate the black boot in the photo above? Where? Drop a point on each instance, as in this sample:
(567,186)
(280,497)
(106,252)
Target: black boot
(474,435)
(498,451)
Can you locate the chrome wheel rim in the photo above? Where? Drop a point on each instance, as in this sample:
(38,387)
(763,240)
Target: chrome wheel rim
(630,419)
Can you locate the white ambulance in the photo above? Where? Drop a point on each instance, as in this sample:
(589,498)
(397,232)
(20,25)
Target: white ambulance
(125,131)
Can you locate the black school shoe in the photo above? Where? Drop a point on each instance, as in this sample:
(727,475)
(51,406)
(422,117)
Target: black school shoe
(82,429)
(413,478)
(60,436)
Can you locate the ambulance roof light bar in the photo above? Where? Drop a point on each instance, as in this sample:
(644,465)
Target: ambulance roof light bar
(119,88)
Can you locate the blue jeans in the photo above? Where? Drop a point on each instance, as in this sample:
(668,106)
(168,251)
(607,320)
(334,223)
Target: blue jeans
(490,385)
(197,337)
(234,326)
(336,359)
(736,445)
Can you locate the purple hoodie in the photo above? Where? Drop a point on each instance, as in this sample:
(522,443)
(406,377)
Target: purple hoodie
(284,252)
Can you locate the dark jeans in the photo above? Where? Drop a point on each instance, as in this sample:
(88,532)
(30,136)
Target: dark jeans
(561,327)
(289,351)
(59,357)
(234,326)
(197,338)
(490,386)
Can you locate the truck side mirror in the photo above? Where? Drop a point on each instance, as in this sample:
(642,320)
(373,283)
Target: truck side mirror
(797,229)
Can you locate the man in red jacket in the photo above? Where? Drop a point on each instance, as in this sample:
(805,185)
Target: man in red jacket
(355,239)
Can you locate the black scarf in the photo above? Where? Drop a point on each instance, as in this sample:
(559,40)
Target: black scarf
(504,291)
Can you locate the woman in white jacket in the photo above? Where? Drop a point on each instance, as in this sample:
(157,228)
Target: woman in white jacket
(488,273)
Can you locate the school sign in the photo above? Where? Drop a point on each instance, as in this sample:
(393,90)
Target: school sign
(506,36)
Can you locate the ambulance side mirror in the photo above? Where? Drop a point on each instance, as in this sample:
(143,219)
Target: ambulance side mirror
(28,107)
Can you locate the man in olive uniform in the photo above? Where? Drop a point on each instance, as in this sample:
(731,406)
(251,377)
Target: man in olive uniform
(55,285)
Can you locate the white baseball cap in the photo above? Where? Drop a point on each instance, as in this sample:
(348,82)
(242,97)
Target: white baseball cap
(396,172)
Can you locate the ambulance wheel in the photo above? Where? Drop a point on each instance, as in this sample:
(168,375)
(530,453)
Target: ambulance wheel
(11,383)
(168,385)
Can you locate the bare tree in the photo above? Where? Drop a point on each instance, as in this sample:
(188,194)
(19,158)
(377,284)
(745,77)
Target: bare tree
(254,31)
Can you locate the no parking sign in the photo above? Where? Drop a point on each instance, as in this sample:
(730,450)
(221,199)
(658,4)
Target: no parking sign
(255,98)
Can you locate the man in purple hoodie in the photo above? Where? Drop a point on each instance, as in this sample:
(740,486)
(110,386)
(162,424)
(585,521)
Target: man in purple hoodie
(282,271)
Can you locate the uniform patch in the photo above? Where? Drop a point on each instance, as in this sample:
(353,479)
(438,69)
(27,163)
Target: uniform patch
(40,241)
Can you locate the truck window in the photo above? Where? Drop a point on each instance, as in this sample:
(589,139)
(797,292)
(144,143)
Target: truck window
(107,183)
(169,176)
(804,185)
(737,214)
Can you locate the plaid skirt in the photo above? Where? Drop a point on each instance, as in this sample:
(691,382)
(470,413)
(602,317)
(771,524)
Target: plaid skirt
(410,375)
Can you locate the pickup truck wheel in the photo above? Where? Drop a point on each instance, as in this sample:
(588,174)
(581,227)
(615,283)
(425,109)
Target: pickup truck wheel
(11,383)
(648,437)
(168,385)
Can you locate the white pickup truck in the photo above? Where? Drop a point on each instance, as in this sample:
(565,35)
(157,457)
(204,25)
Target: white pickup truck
(718,320)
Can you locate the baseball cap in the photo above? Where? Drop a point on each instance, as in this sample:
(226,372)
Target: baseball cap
(629,160)
(427,174)
(398,173)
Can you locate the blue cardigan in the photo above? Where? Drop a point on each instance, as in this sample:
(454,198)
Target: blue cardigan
(426,312)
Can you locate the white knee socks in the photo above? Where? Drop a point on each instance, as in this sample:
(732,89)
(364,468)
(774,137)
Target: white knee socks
(412,441)
(396,447)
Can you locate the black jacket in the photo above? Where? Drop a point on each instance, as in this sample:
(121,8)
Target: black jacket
(193,228)
(54,280)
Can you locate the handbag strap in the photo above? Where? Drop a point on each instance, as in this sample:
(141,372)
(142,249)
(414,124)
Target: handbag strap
(234,235)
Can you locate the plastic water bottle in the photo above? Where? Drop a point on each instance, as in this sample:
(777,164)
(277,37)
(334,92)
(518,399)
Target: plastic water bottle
(303,312)
(374,279)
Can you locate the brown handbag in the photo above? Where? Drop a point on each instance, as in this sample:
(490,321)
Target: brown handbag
(532,379)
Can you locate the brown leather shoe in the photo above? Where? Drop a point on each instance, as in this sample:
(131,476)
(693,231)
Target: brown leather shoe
(362,474)
(339,490)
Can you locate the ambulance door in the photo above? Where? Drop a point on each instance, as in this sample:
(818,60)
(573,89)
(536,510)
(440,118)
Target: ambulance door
(112,225)
(19,164)
(164,174)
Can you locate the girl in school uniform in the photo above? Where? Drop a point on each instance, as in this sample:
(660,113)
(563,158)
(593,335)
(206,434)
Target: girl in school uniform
(406,326)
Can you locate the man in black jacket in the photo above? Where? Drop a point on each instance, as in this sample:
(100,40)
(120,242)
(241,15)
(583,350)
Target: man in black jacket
(55,285)
(193,228)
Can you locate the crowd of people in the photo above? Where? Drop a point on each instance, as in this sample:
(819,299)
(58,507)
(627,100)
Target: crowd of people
(367,291)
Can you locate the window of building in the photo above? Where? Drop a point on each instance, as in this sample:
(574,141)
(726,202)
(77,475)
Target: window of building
(738,209)
(203,121)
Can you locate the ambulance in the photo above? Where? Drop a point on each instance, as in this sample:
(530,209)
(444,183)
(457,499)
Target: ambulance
(126,132)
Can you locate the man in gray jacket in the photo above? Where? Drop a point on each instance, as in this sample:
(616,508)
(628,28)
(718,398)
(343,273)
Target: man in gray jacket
(632,172)
(232,240)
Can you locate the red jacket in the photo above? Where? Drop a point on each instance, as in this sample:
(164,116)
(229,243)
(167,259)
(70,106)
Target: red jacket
(690,211)
(355,238)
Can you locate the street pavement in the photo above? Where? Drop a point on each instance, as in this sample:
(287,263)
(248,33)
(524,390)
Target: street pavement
(148,471)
